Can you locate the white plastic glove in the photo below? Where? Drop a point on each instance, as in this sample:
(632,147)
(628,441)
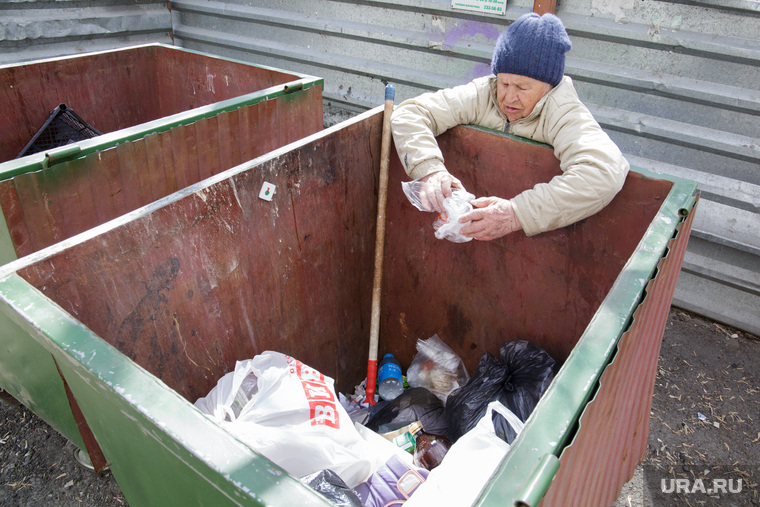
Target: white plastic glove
(437,186)
(492,218)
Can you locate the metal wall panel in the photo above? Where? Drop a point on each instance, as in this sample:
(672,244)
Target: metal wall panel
(674,83)
(36,29)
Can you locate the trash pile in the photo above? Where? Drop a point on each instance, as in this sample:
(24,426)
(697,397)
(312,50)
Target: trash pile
(433,436)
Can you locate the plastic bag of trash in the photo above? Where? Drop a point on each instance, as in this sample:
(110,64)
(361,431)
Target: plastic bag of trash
(447,224)
(437,368)
(471,461)
(289,412)
(414,404)
(518,379)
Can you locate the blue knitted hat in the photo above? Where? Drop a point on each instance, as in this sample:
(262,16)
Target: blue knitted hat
(533,46)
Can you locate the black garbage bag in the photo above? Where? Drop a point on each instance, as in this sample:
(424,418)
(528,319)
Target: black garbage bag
(333,488)
(414,404)
(518,379)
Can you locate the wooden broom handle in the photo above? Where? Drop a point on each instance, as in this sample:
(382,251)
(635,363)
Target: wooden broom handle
(377,284)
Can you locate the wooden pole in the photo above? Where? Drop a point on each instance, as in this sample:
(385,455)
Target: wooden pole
(541,7)
(377,285)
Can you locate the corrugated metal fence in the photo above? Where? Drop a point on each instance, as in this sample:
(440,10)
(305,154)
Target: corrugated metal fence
(36,29)
(675,83)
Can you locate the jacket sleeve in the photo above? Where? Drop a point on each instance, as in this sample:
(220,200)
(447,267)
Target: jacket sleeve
(416,122)
(593,172)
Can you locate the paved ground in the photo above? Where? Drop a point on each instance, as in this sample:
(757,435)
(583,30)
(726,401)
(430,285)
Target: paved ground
(705,418)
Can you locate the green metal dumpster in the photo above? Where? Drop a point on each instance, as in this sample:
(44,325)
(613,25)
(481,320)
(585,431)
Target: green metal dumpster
(168,98)
(144,314)
(155,105)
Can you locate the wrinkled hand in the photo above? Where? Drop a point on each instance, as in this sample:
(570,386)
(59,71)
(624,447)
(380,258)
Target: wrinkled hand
(492,218)
(437,187)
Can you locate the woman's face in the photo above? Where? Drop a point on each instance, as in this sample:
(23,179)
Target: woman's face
(518,95)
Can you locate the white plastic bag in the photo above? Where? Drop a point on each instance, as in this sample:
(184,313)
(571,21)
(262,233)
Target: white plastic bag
(447,225)
(293,418)
(468,465)
(437,368)
(231,394)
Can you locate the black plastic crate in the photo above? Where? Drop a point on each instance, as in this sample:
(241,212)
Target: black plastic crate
(62,127)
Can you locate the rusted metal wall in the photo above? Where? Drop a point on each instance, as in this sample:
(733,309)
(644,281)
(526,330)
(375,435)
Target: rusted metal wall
(113,90)
(36,29)
(44,207)
(580,262)
(674,83)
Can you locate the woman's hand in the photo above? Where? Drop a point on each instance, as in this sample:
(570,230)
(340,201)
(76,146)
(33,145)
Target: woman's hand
(438,186)
(492,218)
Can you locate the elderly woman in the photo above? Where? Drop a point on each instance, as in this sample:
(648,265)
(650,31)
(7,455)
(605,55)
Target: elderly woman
(528,96)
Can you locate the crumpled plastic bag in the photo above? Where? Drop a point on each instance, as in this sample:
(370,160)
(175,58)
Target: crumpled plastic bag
(517,379)
(447,225)
(471,461)
(437,368)
(289,413)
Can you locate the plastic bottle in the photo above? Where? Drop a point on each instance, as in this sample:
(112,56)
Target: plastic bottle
(390,384)
(430,449)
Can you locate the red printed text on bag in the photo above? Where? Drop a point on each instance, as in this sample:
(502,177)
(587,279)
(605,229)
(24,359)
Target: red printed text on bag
(319,396)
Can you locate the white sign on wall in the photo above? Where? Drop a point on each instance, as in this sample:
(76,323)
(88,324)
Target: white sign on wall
(485,6)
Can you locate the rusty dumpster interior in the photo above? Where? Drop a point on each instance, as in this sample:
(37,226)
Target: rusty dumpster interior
(218,274)
(43,207)
(119,89)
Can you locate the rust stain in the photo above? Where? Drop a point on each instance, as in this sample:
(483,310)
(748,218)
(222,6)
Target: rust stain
(137,335)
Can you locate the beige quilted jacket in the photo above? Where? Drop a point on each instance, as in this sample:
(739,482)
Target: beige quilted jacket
(593,168)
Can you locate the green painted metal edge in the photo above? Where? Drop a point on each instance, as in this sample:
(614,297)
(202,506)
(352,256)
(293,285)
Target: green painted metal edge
(550,425)
(28,373)
(42,160)
(511,136)
(539,481)
(230,467)
(7,252)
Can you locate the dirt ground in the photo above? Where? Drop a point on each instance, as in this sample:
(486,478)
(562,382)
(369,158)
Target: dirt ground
(704,431)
